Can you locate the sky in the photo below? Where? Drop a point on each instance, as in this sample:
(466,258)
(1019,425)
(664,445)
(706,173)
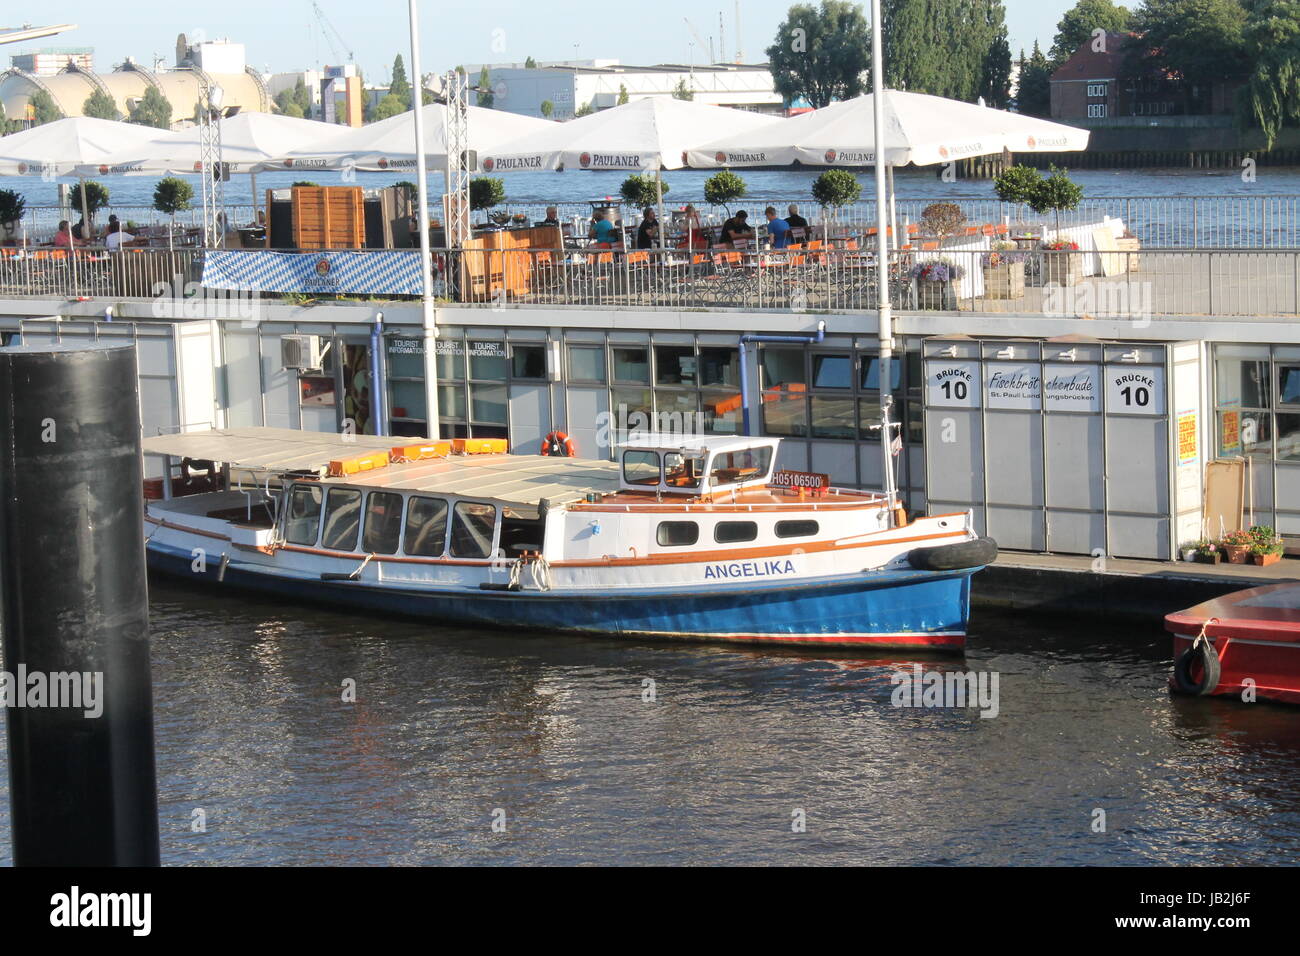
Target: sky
(285,36)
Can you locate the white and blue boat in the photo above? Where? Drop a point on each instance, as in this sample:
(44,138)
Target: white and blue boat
(694,537)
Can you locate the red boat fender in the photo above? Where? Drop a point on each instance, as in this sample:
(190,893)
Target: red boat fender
(559,444)
(1203,650)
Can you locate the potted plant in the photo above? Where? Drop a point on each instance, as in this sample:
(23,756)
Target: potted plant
(96,199)
(170,196)
(723,188)
(1236,546)
(934,283)
(12,207)
(486,192)
(942,219)
(1207,551)
(1055,193)
(1266,545)
(1004,271)
(833,189)
(639,190)
(1061,263)
(1017,184)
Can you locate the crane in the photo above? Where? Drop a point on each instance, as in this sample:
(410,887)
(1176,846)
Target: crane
(698,39)
(325,26)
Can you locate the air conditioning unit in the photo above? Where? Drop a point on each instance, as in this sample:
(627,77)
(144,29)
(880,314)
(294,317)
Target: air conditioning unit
(302,352)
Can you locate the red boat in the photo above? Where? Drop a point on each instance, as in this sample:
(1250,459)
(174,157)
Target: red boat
(1245,640)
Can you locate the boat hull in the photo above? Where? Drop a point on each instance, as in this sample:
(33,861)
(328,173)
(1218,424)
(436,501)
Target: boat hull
(1255,633)
(885,609)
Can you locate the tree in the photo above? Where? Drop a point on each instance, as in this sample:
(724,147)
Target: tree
(152,109)
(586,109)
(836,187)
(1197,41)
(952,48)
(1017,184)
(995,73)
(43,108)
(1271,96)
(639,190)
(399,86)
(96,198)
(12,207)
(485,95)
(530,64)
(547,108)
(173,195)
(683,92)
(820,54)
(1080,20)
(100,105)
(292,109)
(723,188)
(622,94)
(1058,191)
(486,192)
(302,97)
(1034,97)
(390,105)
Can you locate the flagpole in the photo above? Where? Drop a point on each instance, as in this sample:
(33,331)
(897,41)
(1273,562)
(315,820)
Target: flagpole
(884,379)
(430,322)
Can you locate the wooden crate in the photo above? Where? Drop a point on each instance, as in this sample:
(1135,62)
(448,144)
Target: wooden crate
(1129,245)
(502,263)
(1005,281)
(329,217)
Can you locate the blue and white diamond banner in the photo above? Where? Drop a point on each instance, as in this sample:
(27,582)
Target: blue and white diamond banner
(323,272)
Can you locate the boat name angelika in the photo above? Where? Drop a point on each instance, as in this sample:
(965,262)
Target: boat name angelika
(693,536)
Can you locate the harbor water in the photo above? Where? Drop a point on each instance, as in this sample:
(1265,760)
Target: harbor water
(603,751)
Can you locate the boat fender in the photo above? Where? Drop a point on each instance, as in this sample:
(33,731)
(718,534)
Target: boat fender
(558,444)
(1202,649)
(975,553)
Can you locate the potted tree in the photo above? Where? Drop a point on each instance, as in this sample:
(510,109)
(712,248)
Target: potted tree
(1016,185)
(12,207)
(486,192)
(934,284)
(833,189)
(639,190)
(1056,193)
(1061,263)
(942,220)
(1004,271)
(96,195)
(723,188)
(170,196)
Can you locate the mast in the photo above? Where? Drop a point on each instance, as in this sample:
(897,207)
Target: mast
(882,258)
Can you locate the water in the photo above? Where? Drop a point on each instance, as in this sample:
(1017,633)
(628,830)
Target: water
(686,185)
(450,725)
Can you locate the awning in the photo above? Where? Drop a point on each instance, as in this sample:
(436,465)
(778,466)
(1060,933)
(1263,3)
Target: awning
(266,449)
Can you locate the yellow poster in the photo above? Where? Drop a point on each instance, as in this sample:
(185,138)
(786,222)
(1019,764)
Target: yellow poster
(1230,433)
(1187,450)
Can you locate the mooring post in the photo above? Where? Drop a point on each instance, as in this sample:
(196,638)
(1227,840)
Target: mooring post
(74,609)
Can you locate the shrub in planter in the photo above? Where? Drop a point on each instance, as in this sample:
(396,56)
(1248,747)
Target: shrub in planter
(12,207)
(1061,262)
(723,188)
(942,219)
(1207,551)
(1266,545)
(1004,271)
(1236,546)
(934,281)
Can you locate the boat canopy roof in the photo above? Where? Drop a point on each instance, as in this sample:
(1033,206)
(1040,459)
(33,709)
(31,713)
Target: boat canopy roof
(694,445)
(521,480)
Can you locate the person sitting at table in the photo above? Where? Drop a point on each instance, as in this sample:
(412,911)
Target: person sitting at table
(116,236)
(64,239)
(647,234)
(737,227)
(777,229)
(552,217)
(694,234)
(603,230)
(82,232)
(796,221)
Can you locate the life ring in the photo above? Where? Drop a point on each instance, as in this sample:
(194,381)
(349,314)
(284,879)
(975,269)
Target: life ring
(559,444)
(1205,652)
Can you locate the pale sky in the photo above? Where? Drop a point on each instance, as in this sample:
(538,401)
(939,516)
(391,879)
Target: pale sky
(285,36)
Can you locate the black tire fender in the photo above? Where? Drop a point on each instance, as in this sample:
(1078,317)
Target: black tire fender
(954,557)
(1205,652)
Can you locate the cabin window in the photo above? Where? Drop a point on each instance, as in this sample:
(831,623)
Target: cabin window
(342,519)
(302,523)
(796,529)
(747,464)
(734,532)
(426,527)
(472,528)
(682,471)
(383,523)
(641,468)
(677,534)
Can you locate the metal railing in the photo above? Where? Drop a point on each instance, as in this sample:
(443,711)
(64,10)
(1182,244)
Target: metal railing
(127,273)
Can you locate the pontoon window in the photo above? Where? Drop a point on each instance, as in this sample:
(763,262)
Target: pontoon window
(734,532)
(342,519)
(426,527)
(677,534)
(472,529)
(302,523)
(383,523)
(681,471)
(641,467)
(747,464)
(796,529)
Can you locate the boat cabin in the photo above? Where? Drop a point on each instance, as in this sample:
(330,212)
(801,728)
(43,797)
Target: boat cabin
(695,465)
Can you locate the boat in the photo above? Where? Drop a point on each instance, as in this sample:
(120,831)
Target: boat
(1244,644)
(695,537)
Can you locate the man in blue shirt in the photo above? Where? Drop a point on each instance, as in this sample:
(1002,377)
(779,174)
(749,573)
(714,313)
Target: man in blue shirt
(604,231)
(777,229)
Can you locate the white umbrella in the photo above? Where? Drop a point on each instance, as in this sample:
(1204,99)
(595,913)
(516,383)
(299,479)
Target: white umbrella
(390,144)
(650,133)
(919,129)
(66,147)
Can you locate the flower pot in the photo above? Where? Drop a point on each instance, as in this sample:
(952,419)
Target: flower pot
(1129,245)
(1004,281)
(1264,560)
(1212,558)
(1061,268)
(936,295)
(1189,555)
(1236,553)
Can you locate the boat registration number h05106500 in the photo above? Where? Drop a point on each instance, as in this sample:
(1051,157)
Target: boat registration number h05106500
(799,479)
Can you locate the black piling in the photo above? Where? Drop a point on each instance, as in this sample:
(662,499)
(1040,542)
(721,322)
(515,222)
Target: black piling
(74,601)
